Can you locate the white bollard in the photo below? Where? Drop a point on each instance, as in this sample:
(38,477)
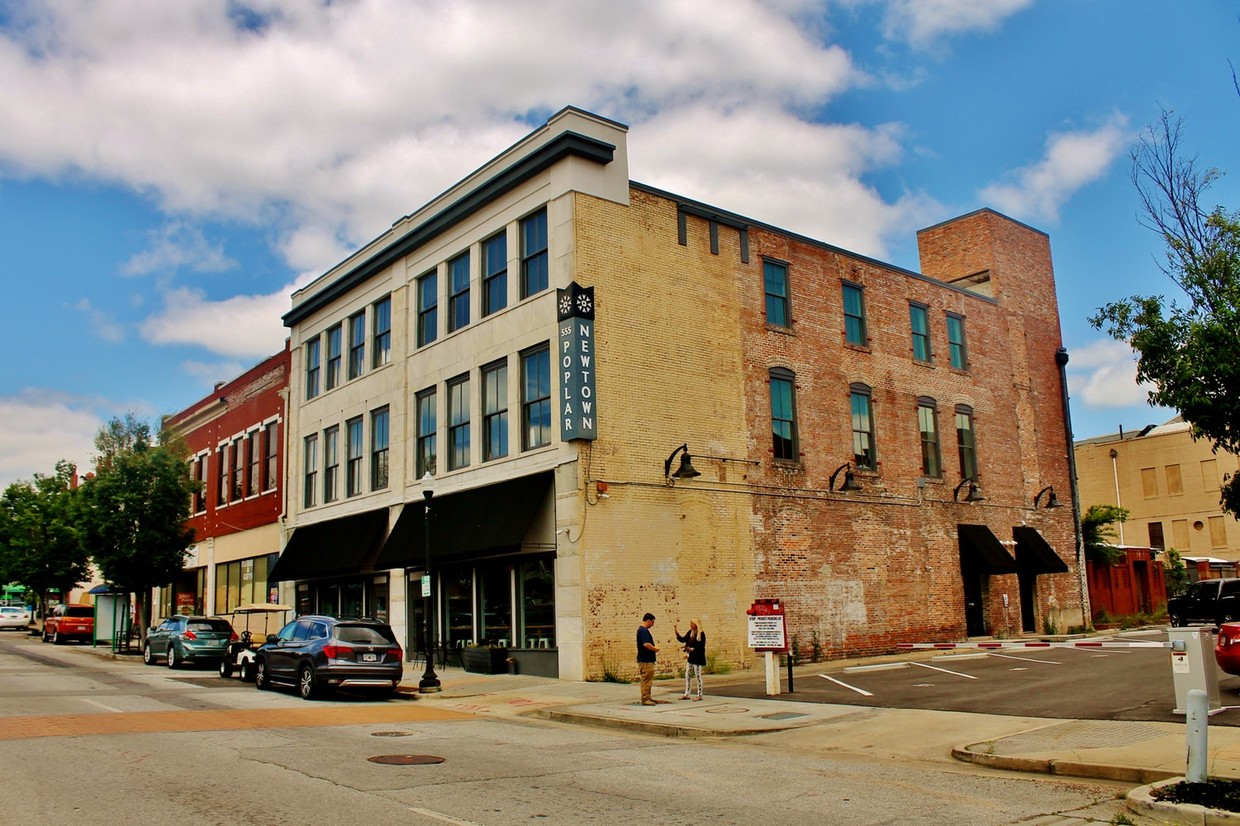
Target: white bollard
(1198,720)
(772,674)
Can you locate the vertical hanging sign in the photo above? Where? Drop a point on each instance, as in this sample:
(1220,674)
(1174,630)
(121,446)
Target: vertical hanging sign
(578,416)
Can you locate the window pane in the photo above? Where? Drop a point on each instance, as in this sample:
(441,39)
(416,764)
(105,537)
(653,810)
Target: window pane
(537,608)
(534,254)
(494,411)
(495,273)
(965,444)
(312,368)
(854,315)
(783,419)
(919,320)
(927,420)
(776,286)
(495,603)
(458,424)
(458,292)
(311,465)
(382,350)
(379,449)
(536,398)
(426,433)
(353,448)
(331,464)
(428,308)
(863,431)
(357,345)
(333,356)
(955,342)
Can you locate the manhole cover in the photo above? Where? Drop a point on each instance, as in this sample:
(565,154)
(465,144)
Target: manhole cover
(726,710)
(406,759)
(782,715)
(391,734)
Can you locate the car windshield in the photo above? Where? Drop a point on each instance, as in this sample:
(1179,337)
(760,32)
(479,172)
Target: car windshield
(210,625)
(79,611)
(361,635)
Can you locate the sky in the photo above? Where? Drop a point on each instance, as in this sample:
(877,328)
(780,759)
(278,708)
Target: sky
(170,172)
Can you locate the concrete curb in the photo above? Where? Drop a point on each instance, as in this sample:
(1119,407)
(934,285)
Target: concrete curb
(663,729)
(1142,802)
(1066,768)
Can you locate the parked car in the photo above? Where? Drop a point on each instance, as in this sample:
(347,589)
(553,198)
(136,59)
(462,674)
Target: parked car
(181,639)
(1227,648)
(319,654)
(259,618)
(69,622)
(15,618)
(1208,601)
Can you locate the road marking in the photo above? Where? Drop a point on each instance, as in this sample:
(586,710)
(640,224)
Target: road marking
(860,691)
(854,669)
(102,706)
(945,671)
(1026,659)
(441,816)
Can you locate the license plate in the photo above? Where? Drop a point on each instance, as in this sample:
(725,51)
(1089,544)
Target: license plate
(370,658)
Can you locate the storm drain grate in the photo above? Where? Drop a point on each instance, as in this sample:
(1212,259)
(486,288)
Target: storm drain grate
(391,734)
(406,759)
(782,715)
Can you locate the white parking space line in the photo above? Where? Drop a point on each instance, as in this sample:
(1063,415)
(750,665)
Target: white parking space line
(860,691)
(102,705)
(441,816)
(944,670)
(1025,659)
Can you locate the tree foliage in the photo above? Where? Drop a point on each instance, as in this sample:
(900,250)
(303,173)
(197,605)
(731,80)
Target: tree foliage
(134,509)
(1098,531)
(1188,351)
(1175,573)
(40,544)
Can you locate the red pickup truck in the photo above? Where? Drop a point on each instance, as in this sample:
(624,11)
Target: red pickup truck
(69,622)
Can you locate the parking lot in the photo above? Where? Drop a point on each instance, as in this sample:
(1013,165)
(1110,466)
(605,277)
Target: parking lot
(1108,683)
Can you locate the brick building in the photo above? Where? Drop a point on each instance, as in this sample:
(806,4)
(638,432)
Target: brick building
(236,441)
(550,340)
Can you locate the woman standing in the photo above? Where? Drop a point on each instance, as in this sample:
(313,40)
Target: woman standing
(694,642)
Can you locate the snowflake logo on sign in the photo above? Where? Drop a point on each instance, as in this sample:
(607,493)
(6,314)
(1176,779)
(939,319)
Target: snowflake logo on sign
(566,304)
(583,303)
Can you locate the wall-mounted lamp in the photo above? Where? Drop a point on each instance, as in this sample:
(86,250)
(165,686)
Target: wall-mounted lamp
(1051,501)
(974,495)
(686,469)
(850,481)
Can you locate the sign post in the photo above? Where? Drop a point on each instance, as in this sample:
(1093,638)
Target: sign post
(768,634)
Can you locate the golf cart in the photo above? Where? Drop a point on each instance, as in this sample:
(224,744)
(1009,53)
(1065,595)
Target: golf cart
(260,619)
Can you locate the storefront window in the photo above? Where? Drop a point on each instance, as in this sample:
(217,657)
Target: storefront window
(495,603)
(305,605)
(377,599)
(458,606)
(329,599)
(351,604)
(241,582)
(537,607)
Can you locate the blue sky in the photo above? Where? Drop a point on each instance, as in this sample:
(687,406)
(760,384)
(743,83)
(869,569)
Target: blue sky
(169,172)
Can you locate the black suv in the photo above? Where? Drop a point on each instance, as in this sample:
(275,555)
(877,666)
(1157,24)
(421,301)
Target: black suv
(318,654)
(1208,601)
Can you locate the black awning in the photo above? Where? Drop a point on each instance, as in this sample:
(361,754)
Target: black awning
(981,551)
(332,548)
(490,518)
(1034,554)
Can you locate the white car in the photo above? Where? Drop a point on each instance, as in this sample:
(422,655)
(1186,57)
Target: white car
(16,618)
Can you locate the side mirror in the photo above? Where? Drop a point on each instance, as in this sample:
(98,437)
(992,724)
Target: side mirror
(272,639)
(150,630)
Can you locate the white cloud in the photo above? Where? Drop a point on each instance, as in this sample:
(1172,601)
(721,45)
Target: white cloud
(103,325)
(925,22)
(216,371)
(178,245)
(1103,374)
(41,427)
(244,326)
(1072,160)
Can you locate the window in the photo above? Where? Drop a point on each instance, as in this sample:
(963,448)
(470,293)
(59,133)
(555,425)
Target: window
(854,315)
(1156,536)
(331,464)
(357,344)
(863,427)
(379,449)
(458,292)
(928,423)
(1149,482)
(775,284)
(1209,475)
(270,469)
(784,416)
(312,368)
(958,352)
(353,456)
(1175,485)
(536,398)
(1179,533)
(200,476)
(253,479)
(428,308)
(966,446)
(238,469)
(495,411)
(495,273)
(458,423)
(333,357)
(534,254)
(310,450)
(381,352)
(425,404)
(919,321)
(221,488)
(1218,532)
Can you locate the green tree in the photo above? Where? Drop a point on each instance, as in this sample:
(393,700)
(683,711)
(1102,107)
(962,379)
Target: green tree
(1175,574)
(1097,531)
(40,545)
(133,511)
(1189,352)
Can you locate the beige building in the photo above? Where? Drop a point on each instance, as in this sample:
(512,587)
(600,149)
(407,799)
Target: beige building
(1169,484)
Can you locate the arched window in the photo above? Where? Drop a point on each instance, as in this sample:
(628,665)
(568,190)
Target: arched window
(784,415)
(864,451)
(966,443)
(928,424)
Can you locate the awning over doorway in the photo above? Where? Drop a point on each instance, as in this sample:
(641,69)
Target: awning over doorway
(982,551)
(331,548)
(490,518)
(1034,554)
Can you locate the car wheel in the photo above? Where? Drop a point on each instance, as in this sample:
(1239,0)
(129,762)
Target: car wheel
(247,672)
(261,681)
(225,669)
(147,657)
(173,662)
(45,636)
(56,639)
(305,683)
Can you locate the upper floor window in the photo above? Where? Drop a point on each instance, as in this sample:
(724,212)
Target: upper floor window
(919,321)
(1149,482)
(271,440)
(200,490)
(255,445)
(312,367)
(425,436)
(310,463)
(495,273)
(221,485)
(536,398)
(381,352)
(238,469)
(331,464)
(458,423)
(784,415)
(966,442)
(534,271)
(379,449)
(333,357)
(428,308)
(357,344)
(854,315)
(1175,483)
(495,410)
(956,347)
(864,455)
(458,292)
(775,281)
(928,424)
(353,460)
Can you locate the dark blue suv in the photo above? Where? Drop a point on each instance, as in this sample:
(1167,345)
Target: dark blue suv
(318,654)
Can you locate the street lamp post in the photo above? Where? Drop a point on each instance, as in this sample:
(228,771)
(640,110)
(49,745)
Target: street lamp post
(430,681)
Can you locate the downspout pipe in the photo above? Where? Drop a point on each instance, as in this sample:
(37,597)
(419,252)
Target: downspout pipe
(1061,361)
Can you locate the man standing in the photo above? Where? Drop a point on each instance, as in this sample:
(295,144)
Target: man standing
(646,656)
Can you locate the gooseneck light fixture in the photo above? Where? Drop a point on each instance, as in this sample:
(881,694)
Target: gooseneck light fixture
(686,469)
(1051,501)
(974,495)
(850,481)
(430,680)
